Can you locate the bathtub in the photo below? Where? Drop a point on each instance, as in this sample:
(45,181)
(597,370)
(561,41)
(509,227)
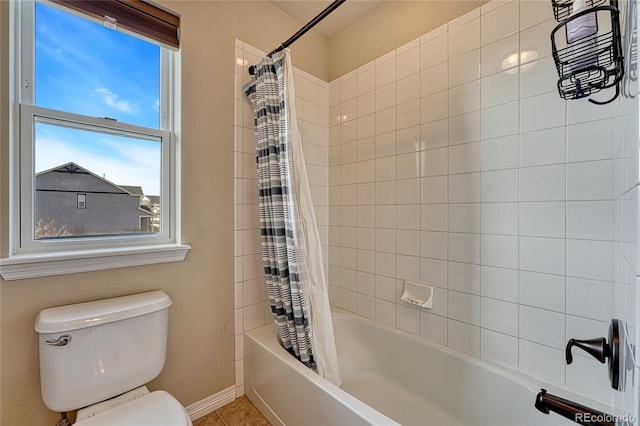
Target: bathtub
(390,378)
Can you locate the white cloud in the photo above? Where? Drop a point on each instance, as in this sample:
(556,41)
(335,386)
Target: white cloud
(112,100)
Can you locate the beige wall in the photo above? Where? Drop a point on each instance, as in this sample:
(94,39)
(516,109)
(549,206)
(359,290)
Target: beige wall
(200,360)
(389,26)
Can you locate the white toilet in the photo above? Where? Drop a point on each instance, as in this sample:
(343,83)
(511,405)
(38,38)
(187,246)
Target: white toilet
(97,357)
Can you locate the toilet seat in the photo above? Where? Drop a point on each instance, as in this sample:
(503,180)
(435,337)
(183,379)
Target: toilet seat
(157,408)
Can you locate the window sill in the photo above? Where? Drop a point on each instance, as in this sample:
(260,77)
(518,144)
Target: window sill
(49,264)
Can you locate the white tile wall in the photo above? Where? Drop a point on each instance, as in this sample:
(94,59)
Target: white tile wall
(510,187)
(618,138)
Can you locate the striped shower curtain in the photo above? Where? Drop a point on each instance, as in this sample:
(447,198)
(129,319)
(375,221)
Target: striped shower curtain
(291,249)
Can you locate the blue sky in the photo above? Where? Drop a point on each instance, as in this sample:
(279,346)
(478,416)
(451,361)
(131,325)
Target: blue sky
(85,68)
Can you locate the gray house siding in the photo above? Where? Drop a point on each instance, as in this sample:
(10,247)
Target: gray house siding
(108,208)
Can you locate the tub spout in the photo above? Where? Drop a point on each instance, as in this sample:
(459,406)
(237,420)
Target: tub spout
(575,412)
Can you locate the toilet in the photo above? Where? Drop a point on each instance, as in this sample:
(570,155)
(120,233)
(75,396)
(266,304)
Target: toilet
(96,357)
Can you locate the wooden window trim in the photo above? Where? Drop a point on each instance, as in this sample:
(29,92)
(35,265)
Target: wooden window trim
(138,16)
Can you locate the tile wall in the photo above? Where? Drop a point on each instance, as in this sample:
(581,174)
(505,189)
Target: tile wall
(453,162)
(312,96)
(625,260)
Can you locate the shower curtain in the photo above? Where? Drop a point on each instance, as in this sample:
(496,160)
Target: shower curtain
(291,249)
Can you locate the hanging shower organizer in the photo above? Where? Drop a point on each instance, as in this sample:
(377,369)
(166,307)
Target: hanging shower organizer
(593,62)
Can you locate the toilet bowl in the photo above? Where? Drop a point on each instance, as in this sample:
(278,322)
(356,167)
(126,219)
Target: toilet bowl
(96,357)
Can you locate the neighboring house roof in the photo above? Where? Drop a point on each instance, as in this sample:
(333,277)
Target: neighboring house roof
(145,209)
(133,190)
(155,199)
(73,168)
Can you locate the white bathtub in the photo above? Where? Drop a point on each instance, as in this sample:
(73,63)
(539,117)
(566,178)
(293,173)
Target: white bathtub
(389,378)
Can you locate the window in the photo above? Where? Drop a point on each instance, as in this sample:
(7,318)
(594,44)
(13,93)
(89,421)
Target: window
(95,93)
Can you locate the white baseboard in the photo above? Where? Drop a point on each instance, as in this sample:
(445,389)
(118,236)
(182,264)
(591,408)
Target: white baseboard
(211,403)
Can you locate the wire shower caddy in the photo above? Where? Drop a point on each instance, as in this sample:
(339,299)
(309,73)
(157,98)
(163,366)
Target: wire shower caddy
(594,62)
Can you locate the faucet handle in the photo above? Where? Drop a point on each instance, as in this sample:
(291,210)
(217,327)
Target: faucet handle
(597,348)
(601,349)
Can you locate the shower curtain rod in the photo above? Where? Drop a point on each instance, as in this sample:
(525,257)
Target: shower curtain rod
(333,6)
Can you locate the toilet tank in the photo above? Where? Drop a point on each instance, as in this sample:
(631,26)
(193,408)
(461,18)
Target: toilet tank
(112,346)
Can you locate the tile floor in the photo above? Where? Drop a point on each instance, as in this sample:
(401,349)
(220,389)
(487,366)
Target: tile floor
(240,412)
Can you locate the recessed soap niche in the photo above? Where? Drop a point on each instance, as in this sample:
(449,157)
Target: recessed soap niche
(417,294)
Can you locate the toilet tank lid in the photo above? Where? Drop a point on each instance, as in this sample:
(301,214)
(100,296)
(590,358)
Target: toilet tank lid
(89,314)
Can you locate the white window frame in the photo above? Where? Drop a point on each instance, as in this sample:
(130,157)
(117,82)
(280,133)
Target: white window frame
(29,257)
(81,204)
